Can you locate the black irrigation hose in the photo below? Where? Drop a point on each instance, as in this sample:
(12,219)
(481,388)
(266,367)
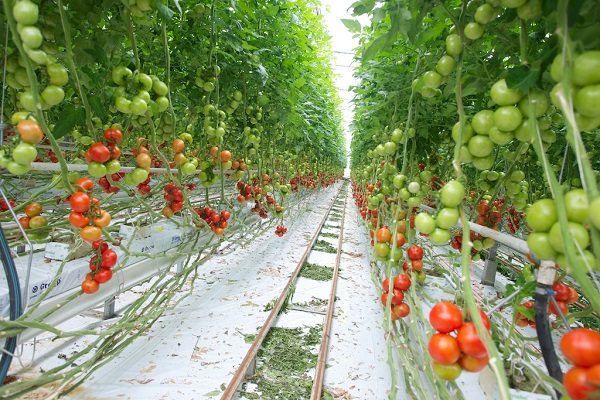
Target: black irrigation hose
(14,291)
(542,327)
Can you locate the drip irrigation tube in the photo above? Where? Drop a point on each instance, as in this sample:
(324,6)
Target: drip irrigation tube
(14,291)
(542,327)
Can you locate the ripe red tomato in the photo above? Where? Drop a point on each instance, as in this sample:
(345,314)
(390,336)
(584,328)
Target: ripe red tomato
(417,265)
(89,286)
(80,202)
(472,364)
(444,348)
(103,276)
(99,152)
(84,184)
(402,282)
(469,341)
(225,155)
(78,220)
(573,295)
(562,291)
(109,258)
(415,252)
(562,306)
(24,221)
(225,215)
(113,135)
(400,239)
(581,346)
(100,244)
(386,284)
(445,317)
(576,384)
(33,209)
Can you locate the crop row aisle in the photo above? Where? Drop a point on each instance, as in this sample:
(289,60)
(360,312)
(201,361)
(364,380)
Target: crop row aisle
(178,219)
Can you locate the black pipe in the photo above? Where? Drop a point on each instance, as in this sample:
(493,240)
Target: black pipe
(14,291)
(542,327)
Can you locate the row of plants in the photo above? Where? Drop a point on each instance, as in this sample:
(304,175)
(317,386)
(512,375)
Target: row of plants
(190,110)
(485,111)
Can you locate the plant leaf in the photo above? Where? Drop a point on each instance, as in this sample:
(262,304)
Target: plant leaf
(352,25)
(70,117)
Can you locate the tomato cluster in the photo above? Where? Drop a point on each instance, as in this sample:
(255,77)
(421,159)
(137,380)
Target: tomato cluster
(105,184)
(86,213)
(280,230)
(103,158)
(4,206)
(101,265)
(563,295)
(22,151)
(239,167)
(217,222)
(401,283)
(174,198)
(248,192)
(144,187)
(34,220)
(455,346)
(547,242)
(581,346)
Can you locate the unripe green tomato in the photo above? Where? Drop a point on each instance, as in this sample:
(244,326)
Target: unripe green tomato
(145,80)
(530,10)
(539,100)
(480,146)
(58,74)
(414,201)
(432,79)
(18,169)
(503,95)
(507,118)
(454,44)
(467,132)
(473,31)
(25,12)
(586,68)
(440,237)
(138,106)
(113,166)
(513,3)
(587,101)
(483,121)
(123,105)
(96,169)
(482,163)
(31,36)
(484,14)
(445,65)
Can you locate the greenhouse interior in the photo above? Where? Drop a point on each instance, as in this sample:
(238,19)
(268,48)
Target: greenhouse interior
(212,199)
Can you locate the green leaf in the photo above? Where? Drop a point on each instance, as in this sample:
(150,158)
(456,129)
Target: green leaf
(178,6)
(378,14)
(299,82)
(376,46)
(431,33)
(70,117)
(522,77)
(352,24)
(212,394)
(97,106)
(363,7)
(163,10)
(272,11)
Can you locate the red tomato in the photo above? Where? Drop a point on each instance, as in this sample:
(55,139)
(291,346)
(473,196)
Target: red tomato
(445,317)
(576,384)
(225,155)
(444,348)
(561,291)
(100,244)
(386,284)
(89,286)
(99,152)
(24,221)
(103,276)
(400,239)
(469,341)
(415,252)
(383,235)
(78,220)
(177,206)
(109,259)
(225,215)
(400,310)
(84,184)
(573,295)
(113,135)
(103,220)
(417,265)
(402,282)
(581,346)
(80,202)
(562,306)
(472,364)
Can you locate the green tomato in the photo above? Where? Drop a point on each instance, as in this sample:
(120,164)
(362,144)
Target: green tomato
(454,44)
(138,106)
(500,137)
(523,132)
(399,180)
(113,166)
(425,223)
(576,203)
(517,175)
(586,68)
(445,65)
(26,100)
(465,155)
(119,73)
(139,175)
(414,201)
(530,10)
(96,169)
(390,148)
(579,234)
(414,187)
(58,74)
(539,245)
(507,118)
(480,146)
(162,103)
(440,237)
(473,30)
(24,153)
(188,169)
(18,169)
(145,80)
(587,123)
(432,79)
(25,12)
(53,95)
(483,121)
(447,217)
(467,132)
(123,105)
(452,194)
(425,176)
(513,3)
(31,36)
(484,14)
(505,96)
(482,163)
(587,101)
(541,216)
(160,88)
(539,100)
(144,95)
(556,69)
(594,212)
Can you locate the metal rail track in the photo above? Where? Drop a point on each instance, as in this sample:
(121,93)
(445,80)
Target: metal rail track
(250,357)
